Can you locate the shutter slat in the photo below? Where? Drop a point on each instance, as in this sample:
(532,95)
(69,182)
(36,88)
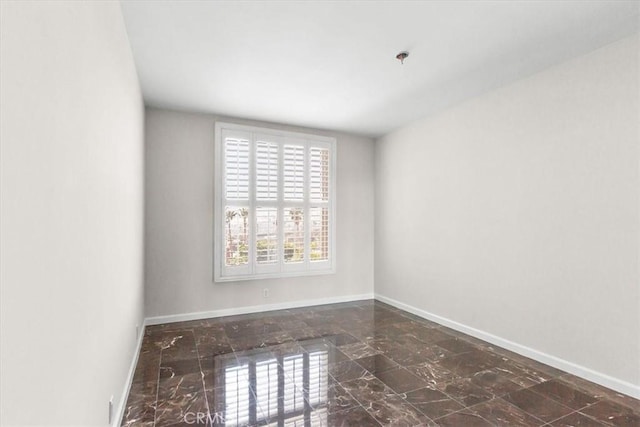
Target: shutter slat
(237,169)
(293,172)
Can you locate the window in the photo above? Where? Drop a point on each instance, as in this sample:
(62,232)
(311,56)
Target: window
(274,203)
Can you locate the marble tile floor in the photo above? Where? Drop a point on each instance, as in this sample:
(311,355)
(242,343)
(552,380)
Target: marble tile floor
(363,363)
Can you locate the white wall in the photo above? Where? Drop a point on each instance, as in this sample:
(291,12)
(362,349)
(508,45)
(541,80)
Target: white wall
(179,223)
(72,211)
(517,212)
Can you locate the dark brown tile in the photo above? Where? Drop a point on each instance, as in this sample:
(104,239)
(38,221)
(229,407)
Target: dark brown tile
(346,371)
(456,345)
(613,414)
(418,326)
(400,380)
(501,413)
(141,404)
(358,350)
(209,333)
(433,403)
(525,376)
(394,329)
(338,398)
(576,420)
(341,339)
(600,392)
(466,392)
(427,335)
(288,348)
(564,394)
(537,371)
(171,387)
(536,404)
(367,389)
(376,364)
(147,370)
(304,334)
(433,374)
(178,368)
(249,328)
(409,351)
(183,366)
(381,343)
(173,411)
(395,411)
(471,362)
(261,341)
(292,325)
(463,418)
(178,345)
(211,349)
(353,417)
(495,382)
(318,321)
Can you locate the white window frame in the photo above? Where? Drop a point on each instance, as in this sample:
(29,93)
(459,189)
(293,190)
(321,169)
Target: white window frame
(253,270)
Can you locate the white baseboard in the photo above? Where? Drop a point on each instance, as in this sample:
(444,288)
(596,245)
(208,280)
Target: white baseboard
(581,371)
(118,414)
(253,309)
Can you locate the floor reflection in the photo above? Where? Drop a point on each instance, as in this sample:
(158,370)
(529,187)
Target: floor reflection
(262,388)
(354,364)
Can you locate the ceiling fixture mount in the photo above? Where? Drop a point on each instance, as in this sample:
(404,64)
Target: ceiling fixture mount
(402,56)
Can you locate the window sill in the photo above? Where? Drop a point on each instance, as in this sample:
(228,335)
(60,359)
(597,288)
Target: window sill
(253,277)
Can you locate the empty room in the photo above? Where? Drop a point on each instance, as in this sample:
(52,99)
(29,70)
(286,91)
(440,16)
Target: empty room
(319,213)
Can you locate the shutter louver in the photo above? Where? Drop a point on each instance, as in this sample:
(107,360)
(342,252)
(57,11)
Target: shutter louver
(319,174)
(293,172)
(237,168)
(266,171)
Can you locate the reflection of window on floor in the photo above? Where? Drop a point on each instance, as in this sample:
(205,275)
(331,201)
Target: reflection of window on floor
(284,388)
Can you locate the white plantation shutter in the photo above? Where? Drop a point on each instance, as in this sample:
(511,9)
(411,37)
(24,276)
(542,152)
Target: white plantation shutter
(294,171)
(266,171)
(319,172)
(237,168)
(274,203)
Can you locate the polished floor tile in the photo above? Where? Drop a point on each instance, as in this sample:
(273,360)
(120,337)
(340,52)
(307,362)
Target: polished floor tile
(355,364)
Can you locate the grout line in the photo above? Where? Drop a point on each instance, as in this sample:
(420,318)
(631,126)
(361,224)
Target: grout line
(204,387)
(155,405)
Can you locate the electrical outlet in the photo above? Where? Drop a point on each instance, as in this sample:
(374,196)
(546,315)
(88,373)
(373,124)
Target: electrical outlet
(110,410)
(265,292)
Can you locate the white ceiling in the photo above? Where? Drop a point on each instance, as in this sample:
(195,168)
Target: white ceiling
(332,65)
